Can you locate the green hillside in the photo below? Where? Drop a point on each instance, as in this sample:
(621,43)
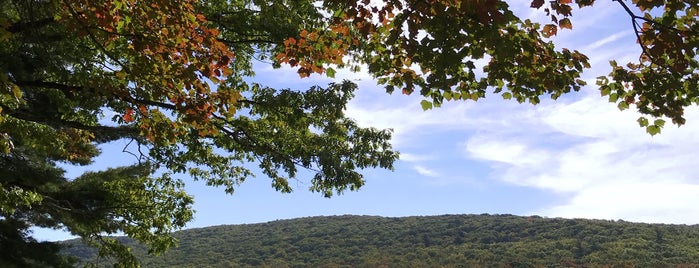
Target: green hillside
(435,241)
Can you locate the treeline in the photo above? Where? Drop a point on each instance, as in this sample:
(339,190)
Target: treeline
(435,241)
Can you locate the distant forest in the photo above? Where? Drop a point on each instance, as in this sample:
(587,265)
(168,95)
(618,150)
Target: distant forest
(434,241)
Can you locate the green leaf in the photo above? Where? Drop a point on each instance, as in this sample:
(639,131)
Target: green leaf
(507,95)
(499,83)
(120,25)
(16,91)
(653,130)
(659,122)
(426,105)
(642,121)
(474,96)
(623,105)
(330,72)
(448,95)
(613,97)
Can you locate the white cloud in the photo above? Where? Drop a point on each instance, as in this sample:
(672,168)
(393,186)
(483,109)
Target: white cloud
(410,157)
(644,202)
(425,171)
(404,115)
(610,168)
(506,152)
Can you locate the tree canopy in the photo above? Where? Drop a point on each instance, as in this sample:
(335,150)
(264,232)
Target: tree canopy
(170,77)
(432,241)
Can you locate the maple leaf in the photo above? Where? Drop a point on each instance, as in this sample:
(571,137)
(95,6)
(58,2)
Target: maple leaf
(549,30)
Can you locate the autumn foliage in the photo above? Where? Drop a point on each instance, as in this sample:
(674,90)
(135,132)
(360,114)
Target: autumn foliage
(171,80)
(435,46)
(162,55)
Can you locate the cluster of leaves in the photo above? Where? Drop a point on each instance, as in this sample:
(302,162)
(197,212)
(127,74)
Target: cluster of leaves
(169,75)
(665,80)
(437,241)
(461,49)
(440,47)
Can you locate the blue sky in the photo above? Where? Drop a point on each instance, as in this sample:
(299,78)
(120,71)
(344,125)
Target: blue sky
(577,157)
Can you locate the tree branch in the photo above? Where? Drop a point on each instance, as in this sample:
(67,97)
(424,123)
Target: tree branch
(258,144)
(245,41)
(94,39)
(23,26)
(638,32)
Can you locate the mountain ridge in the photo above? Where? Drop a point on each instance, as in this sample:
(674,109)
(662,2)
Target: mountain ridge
(462,240)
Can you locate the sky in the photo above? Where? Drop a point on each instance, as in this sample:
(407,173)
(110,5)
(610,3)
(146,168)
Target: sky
(576,157)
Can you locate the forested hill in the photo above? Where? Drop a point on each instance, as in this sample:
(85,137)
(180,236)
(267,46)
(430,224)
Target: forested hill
(435,241)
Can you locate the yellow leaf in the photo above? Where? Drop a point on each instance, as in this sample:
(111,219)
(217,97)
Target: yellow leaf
(16,91)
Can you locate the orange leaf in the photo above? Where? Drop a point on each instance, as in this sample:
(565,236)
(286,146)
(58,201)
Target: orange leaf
(143,109)
(128,115)
(290,42)
(550,30)
(304,72)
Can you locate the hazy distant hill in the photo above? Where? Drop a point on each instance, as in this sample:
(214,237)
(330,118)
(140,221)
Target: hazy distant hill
(436,241)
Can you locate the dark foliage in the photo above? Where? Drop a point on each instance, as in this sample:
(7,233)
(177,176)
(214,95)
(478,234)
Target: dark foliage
(435,241)
(19,250)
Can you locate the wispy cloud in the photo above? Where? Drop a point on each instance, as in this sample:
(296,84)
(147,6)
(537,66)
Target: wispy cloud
(609,169)
(414,158)
(606,40)
(404,115)
(425,171)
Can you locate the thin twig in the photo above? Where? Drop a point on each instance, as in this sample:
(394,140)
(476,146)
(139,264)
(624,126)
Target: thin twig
(637,32)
